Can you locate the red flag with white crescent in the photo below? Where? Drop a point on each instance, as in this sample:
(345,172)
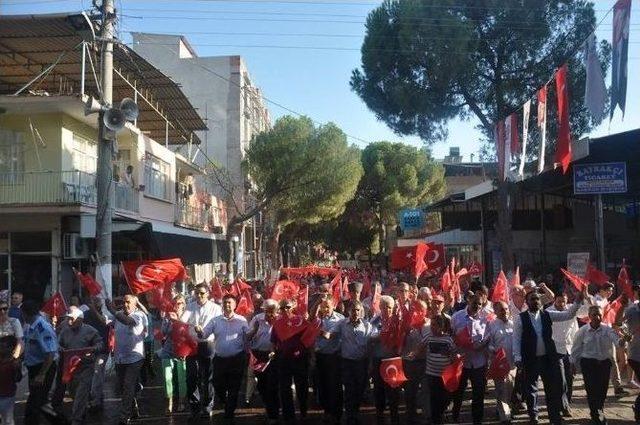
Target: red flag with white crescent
(499,367)
(624,283)
(452,374)
(142,276)
(71,360)
(392,373)
(286,327)
(285,290)
(88,282)
(55,306)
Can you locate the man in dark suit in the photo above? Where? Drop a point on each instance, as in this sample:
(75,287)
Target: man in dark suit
(535,352)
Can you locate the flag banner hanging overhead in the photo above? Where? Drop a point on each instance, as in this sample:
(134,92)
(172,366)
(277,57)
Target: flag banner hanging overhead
(499,135)
(595,93)
(563,146)
(510,127)
(542,124)
(526,111)
(620,47)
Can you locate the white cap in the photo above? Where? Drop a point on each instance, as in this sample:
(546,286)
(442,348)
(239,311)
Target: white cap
(75,313)
(530,283)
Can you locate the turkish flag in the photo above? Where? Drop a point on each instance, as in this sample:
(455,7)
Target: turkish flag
(71,360)
(111,338)
(184,344)
(451,375)
(142,276)
(563,148)
(160,296)
(216,290)
(420,264)
(239,286)
(392,334)
(416,315)
(375,300)
(624,283)
(499,367)
(287,327)
(435,256)
(475,269)
(285,290)
(611,311)
(336,289)
(402,257)
(89,283)
(463,338)
(256,365)
(577,281)
(302,300)
(245,304)
(501,289)
(55,306)
(392,373)
(596,276)
(445,282)
(515,279)
(312,331)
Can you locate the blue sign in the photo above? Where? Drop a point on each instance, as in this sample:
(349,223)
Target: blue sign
(594,179)
(411,219)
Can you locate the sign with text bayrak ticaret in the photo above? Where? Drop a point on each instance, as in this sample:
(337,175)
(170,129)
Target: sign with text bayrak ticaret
(600,179)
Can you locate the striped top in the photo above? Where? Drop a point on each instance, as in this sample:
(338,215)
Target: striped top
(440,351)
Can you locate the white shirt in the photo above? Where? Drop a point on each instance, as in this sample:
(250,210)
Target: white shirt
(592,343)
(261,341)
(130,339)
(501,336)
(536,321)
(200,315)
(563,332)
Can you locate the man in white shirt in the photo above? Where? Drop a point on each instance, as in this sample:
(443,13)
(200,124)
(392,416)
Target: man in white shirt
(563,333)
(230,336)
(198,314)
(593,353)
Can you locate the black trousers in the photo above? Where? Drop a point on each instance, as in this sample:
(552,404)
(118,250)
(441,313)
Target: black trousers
(128,379)
(198,378)
(567,381)
(414,370)
(439,398)
(355,380)
(478,378)
(635,365)
(596,382)
(549,369)
(227,377)
(383,393)
(294,370)
(329,384)
(268,385)
(37,394)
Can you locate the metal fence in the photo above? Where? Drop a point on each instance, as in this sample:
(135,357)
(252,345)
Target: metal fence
(47,187)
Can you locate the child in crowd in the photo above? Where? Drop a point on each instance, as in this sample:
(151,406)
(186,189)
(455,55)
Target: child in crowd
(441,352)
(10,375)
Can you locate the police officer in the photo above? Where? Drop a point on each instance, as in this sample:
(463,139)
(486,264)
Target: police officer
(40,355)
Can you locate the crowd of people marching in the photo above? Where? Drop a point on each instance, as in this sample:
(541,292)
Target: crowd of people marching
(348,334)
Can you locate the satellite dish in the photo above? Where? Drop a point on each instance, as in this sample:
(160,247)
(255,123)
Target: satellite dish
(129,108)
(114,119)
(92,106)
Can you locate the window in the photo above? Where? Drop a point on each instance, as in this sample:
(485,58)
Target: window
(156,177)
(84,155)
(11,156)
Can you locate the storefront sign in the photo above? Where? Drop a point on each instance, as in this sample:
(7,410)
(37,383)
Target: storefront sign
(594,179)
(577,262)
(411,219)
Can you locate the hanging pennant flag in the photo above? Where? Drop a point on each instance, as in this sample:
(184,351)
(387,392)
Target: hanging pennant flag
(526,111)
(542,124)
(563,146)
(510,127)
(620,46)
(498,134)
(595,93)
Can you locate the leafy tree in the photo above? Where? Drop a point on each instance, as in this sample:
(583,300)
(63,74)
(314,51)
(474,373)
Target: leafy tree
(302,173)
(425,62)
(396,176)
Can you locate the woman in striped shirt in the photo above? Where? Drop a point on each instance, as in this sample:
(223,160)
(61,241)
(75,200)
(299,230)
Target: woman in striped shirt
(441,352)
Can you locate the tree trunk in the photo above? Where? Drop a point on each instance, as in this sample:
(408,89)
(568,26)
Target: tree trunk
(274,248)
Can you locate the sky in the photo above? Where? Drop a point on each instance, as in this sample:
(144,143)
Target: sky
(301,54)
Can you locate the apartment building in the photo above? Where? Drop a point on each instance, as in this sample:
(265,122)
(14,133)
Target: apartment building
(164,205)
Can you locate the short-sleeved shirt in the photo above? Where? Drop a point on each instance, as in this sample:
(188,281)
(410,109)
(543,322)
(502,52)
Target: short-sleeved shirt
(39,341)
(130,339)
(261,341)
(329,324)
(11,327)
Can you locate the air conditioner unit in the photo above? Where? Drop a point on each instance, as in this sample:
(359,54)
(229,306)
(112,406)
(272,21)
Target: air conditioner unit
(74,247)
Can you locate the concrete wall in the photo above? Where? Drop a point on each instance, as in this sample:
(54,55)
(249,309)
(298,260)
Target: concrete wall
(48,126)
(152,208)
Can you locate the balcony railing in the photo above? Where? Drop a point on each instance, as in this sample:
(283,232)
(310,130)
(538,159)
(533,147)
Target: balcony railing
(47,187)
(59,188)
(196,217)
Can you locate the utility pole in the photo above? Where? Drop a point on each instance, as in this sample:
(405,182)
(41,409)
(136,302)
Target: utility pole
(104,178)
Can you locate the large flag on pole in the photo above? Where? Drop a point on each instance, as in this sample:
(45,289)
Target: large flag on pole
(542,124)
(142,276)
(620,46)
(563,145)
(595,96)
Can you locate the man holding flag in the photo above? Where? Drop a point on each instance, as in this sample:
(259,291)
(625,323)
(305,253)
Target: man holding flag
(84,340)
